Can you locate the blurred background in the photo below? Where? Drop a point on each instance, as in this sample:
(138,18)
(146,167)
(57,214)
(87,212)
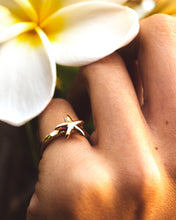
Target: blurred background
(19,146)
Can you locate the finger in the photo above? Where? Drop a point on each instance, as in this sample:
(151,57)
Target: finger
(54,115)
(57,164)
(157,58)
(78,95)
(115,107)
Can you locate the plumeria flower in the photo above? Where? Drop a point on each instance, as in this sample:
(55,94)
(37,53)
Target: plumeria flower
(36,34)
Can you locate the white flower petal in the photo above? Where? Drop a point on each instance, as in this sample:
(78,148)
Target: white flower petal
(10,26)
(46,8)
(28,76)
(16,29)
(28,9)
(71,2)
(15,9)
(6,18)
(86,32)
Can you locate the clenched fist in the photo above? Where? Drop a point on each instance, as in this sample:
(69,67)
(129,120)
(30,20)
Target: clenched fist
(128,169)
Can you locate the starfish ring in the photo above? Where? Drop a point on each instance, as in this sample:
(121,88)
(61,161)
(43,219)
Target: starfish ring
(64,129)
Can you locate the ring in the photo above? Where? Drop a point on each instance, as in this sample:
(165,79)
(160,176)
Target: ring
(64,129)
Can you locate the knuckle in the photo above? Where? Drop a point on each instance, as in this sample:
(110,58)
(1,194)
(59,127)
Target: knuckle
(144,174)
(161,18)
(92,188)
(101,70)
(161,25)
(165,23)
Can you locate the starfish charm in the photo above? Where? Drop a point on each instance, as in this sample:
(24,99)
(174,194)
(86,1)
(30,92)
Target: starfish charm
(71,126)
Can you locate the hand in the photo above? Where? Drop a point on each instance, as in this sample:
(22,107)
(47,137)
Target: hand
(129,170)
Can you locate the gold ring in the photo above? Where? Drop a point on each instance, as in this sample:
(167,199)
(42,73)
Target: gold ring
(64,129)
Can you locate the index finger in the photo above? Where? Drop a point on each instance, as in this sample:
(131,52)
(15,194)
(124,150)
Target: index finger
(115,106)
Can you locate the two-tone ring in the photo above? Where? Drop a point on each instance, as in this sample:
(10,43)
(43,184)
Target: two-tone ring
(64,130)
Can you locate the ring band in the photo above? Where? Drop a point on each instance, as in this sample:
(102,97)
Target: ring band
(64,129)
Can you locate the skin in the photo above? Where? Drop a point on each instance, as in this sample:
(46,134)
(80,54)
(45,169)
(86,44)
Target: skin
(129,169)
